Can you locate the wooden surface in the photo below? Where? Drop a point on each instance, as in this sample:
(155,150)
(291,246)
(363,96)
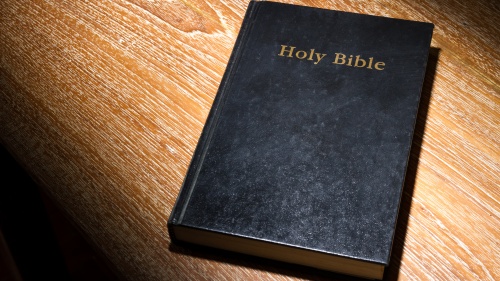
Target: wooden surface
(103,103)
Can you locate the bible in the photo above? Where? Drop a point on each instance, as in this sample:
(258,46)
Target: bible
(304,153)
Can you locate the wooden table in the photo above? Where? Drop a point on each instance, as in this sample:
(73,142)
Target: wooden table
(103,103)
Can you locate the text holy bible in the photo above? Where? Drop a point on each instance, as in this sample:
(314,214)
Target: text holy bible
(304,153)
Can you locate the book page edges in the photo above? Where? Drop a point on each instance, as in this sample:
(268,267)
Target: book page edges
(280,252)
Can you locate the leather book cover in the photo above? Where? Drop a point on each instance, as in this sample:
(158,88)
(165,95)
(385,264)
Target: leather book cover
(307,142)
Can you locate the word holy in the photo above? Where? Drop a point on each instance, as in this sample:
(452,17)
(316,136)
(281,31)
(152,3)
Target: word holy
(340,58)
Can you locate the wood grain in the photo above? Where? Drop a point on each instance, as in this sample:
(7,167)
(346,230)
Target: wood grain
(103,103)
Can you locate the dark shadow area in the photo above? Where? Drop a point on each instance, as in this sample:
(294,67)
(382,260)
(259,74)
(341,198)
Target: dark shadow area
(42,243)
(392,271)
(26,227)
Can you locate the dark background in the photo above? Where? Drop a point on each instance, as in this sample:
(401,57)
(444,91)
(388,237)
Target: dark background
(37,241)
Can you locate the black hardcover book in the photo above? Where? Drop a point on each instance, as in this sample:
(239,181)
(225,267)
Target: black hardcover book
(304,153)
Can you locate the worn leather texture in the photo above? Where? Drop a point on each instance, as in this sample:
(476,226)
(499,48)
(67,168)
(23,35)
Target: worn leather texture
(310,155)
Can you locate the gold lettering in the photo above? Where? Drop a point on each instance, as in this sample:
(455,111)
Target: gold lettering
(311,55)
(358,59)
(349,61)
(339,56)
(382,64)
(370,61)
(319,57)
(283,50)
(302,55)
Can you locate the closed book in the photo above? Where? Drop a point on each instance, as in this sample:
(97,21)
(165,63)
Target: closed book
(304,153)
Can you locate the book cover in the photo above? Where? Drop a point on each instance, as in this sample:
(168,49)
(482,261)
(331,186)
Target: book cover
(304,153)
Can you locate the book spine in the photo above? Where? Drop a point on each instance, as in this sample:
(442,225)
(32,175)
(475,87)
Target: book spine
(206,135)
